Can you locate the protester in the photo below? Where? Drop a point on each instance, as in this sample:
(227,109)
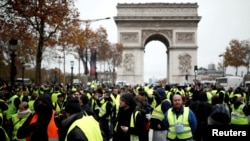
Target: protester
(130,122)
(180,121)
(77,127)
(40,126)
(202,109)
(104,115)
(220,114)
(3,134)
(18,119)
(143,106)
(156,123)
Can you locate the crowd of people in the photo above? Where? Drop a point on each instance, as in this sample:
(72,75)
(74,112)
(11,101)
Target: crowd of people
(118,113)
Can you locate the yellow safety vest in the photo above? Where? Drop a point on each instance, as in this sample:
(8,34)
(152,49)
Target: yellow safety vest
(157,113)
(237,116)
(174,122)
(17,122)
(89,126)
(153,104)
(150,92)
(132,124)
(209,97)
(168,94)
(57,107)
(54,96)
(116,102)
(31,105)
(11,107)
(102,110)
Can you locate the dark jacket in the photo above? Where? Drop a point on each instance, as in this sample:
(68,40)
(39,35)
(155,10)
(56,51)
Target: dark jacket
(124,117)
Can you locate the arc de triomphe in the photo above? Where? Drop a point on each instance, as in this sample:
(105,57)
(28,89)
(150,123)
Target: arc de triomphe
(174,24)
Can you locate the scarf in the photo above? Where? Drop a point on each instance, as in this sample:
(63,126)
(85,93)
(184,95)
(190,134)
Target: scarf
(23,114)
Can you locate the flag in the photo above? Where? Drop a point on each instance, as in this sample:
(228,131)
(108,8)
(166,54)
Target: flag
(93,63)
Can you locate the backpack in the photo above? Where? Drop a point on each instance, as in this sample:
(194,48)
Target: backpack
(221,113)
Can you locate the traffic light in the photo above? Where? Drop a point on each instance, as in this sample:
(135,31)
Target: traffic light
(195,69)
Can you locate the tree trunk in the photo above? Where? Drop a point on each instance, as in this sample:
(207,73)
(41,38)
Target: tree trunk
(39,55)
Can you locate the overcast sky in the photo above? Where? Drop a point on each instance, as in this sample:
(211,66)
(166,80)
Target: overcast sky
(222,21)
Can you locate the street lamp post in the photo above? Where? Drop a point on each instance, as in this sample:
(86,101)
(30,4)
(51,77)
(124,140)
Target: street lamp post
(59,62)
(72,67)
(223,65)
(13,71)
(23,72)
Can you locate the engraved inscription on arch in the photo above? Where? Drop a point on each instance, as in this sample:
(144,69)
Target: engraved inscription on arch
(157,25)
(185,37)
(185,63)
(157,9)
(129,37)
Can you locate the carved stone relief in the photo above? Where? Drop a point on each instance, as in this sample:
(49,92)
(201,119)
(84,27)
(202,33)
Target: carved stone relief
(129,37)
(128,63)
(185,37)
(185,63)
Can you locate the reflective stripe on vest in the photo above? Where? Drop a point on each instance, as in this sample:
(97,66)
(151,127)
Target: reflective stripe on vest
(5,134)
(183,120)
(1,118)
(52,130)
(238,117)
(89,126)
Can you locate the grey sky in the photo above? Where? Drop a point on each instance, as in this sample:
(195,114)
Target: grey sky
(222,21)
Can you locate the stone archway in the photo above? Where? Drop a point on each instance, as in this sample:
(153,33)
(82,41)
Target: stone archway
(175,25)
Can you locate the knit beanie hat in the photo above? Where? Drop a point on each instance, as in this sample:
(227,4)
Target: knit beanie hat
(128,99)
(46,99)
(73,106)
(161,92)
